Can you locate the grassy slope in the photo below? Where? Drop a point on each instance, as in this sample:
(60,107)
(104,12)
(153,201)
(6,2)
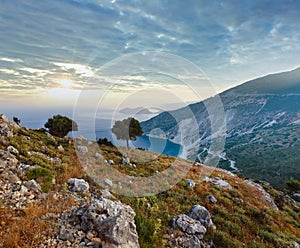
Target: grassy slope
(253,223)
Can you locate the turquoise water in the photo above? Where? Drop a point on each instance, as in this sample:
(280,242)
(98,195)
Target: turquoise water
(157,145)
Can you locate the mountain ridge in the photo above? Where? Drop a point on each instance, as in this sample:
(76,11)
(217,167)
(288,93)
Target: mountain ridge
(259,119)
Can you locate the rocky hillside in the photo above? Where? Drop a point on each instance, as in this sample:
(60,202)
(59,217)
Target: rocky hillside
(262,128)
(47,200)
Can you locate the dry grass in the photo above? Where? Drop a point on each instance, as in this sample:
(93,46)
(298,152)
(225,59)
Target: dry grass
(27,227)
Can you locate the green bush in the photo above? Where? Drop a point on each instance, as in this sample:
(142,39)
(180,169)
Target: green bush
(43,176)
(146,228)
(267,236)
(293,185)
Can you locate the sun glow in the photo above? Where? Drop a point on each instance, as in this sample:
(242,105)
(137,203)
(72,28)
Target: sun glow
(66,83)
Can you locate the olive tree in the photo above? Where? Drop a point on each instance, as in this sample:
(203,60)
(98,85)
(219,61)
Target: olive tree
(127,129)
(60,125)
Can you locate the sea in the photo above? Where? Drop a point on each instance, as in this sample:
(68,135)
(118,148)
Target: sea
(103,130)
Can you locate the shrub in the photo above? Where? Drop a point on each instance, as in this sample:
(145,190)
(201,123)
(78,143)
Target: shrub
(293,185)
(43,176)
(146,229)
(104,141)
(267,236)
(222,239)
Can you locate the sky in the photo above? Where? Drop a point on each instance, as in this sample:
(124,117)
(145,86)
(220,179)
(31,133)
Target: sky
(56,54)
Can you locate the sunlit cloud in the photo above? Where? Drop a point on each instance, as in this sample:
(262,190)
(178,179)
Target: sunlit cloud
(12,60)
(82,70)
(62,47)
(8,71)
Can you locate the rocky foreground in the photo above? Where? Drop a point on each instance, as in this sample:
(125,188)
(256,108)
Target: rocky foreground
(48,201)
(87,219)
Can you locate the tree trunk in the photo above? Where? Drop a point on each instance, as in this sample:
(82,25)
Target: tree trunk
(127,143)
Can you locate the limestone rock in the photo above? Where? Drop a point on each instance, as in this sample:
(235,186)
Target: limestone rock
(113,222)
(78,185)
(201,214)
(65,235)
(212,199)
(190,183)
(3,119)
(107,182)
(189,225)
(106,194)
(12,150)
(60,148)
(33,185)
(82,149)
(192,227)
(125,161)
(218,182)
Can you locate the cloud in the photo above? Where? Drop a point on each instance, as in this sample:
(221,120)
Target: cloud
(8,71)
(82,70)
(42,43)
(12,60)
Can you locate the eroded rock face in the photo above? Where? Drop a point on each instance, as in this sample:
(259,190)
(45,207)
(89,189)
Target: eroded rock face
(112,222)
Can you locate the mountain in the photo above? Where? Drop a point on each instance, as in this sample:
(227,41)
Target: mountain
(137,111)
(49,200)
(262,130)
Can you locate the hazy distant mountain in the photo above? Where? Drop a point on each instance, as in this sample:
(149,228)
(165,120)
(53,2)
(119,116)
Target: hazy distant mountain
(138,111)
(262,127)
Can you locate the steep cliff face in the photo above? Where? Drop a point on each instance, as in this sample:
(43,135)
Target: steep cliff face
(262,119)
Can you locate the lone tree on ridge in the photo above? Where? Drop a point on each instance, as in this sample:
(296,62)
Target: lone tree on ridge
(127,129)
(60,125)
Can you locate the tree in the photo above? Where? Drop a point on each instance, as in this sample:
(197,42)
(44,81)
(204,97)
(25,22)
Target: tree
(16,120)
(293,185)
(127,129)
(104,141)
(60,125)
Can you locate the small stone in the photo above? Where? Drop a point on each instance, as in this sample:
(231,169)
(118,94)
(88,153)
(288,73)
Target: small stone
(13,150)
(110,161)
(65,235)
(125,161)
(106,194)
(97,155)
(82,149)
(60,148)
(190,183)
(89,236)
(23,189)
(33,186)
(108,182)
(212,199)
